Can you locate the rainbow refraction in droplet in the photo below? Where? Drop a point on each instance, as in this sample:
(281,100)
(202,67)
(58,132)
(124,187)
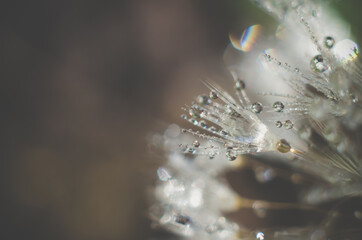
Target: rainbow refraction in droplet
(346,50)
(248,38)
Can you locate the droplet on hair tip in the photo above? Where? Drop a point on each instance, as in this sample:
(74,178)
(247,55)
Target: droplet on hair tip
(317,64)
(256,107)
(203,99)
(329,42)
(283,146)
(288,124)
(278,106)
(196,144)
(239,84)
(278,124)
(213,95)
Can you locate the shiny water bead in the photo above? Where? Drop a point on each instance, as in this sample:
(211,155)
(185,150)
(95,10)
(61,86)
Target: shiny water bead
(229,110)
(203,99)
(195,122)
(260,236)
(223,132)
(231,155)
(213,94)
(184,116)
(212,154)
(317,64)
(212,129)
(183,220)
(278,106)
(256,107)
(202,124)
(196,144)
(288,124)
(163,174)
(190,150)
(195,112)
(239,84)
(278,124)
(329,42)
(283,146)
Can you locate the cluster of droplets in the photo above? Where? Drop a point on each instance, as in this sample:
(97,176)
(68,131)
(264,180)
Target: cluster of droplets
(323,109)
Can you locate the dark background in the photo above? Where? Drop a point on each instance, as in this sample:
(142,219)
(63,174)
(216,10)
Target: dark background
(83,83)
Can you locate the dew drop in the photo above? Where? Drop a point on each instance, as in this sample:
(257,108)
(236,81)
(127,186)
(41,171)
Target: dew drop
(288,124)
(183,220)
(231,155)
(239,84)
(212,129)
(283,146)
(163,174)
(256,107)
(190,150)
(223,132)
(317,64)
(260,236)
(196,144)
(213,94)
(194,112)
(278,106)
(194,121)
(329,42)
(202,124)
(229,110)
(346,50)
(203,99)
(278,124)
(212,155)
(183,116)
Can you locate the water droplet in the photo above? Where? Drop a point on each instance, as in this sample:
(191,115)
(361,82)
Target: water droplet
(278,106)
(183,220)
(283,146)
(346,50)
(194,121)
(211,154)
(260,236)
(223,132)
(229,110)
(231,155)
(203,99)
(212,129)
(163,174)
(196,144)
(296,70)
(195,112)
(256,107)
(202,124)
(183,116)
(239,84)
(288,124)
(213,94)
(190,150)
(278,124)
(317,64)
(329,42)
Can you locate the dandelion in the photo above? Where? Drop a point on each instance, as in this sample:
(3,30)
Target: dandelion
(307,117)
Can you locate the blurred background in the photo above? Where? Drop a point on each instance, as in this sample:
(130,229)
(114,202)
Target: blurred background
(83,83)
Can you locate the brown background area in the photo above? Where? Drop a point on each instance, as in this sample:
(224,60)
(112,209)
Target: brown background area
(83,82)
